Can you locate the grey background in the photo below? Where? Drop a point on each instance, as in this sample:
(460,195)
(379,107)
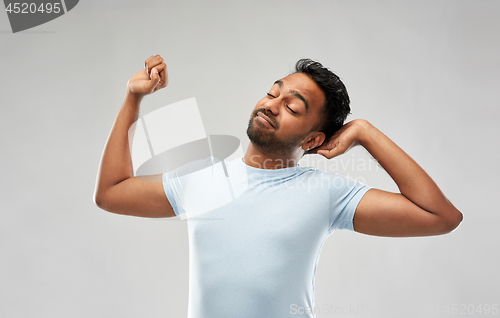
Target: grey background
(426,73)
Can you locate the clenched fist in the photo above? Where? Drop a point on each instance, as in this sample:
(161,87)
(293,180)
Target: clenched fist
(150,79)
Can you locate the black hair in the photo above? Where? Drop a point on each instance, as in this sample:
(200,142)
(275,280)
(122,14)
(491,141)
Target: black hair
(336,107)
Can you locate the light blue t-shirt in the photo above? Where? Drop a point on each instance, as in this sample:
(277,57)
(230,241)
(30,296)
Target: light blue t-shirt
(255,235)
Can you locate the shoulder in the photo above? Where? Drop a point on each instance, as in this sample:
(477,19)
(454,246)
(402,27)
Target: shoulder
(191,167)
(335,181)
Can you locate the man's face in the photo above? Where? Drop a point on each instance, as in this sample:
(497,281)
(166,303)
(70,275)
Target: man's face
(286,116)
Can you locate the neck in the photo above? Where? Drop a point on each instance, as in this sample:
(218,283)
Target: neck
(254,157)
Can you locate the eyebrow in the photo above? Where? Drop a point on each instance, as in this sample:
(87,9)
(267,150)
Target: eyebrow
(296,94)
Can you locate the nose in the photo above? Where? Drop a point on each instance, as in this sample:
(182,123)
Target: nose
(272,105)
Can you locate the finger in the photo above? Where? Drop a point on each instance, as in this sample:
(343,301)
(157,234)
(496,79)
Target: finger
(153,62)
(332,152)
(164,76)
(155,79)
(160,67)
(150,58)
(329,154)
(146,63)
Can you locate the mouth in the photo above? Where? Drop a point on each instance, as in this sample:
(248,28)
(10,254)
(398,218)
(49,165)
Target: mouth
(265,118)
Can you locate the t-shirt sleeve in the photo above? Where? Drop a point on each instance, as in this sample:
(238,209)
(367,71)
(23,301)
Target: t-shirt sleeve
(174,182)
(169,187)
(345,194)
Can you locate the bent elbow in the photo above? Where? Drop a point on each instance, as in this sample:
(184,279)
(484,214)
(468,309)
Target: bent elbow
(99,200)
(454,221)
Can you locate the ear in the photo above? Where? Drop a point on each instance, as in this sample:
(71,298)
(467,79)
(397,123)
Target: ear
(314,140)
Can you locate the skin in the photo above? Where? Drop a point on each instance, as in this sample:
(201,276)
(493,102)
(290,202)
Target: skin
(291,123)
(420,209)
(117,190)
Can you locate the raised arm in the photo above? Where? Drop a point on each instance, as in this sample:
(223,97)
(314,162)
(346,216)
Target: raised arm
(421,209)
(117,190)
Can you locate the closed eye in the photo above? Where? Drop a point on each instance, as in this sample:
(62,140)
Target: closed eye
(268,94)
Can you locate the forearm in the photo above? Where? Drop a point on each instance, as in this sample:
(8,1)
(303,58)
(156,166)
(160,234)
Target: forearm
(413,182)
(116,161)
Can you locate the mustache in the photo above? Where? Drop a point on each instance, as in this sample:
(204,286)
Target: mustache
(269,115)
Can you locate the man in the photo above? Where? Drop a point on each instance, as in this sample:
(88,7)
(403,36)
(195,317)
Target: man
(259,258)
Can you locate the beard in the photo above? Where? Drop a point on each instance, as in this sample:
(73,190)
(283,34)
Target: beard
(266,139)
